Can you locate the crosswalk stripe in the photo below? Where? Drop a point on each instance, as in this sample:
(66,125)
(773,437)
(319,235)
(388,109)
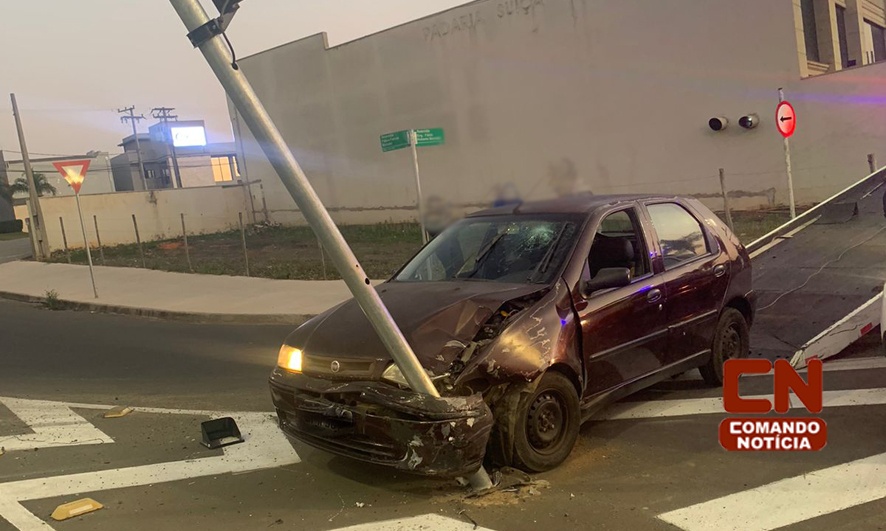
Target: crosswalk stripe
(790,500)
(265,447)
(417,523)
(709,406)
(53,425)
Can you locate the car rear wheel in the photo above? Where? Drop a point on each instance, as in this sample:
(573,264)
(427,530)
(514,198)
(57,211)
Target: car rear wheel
(536,428)
(731,340)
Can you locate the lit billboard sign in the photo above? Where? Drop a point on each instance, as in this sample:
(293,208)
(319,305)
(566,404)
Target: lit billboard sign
(188,136)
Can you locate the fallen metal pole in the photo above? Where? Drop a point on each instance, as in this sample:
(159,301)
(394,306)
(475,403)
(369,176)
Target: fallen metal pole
(216,53)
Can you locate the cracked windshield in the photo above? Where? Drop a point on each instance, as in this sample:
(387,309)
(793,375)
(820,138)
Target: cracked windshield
(443,265)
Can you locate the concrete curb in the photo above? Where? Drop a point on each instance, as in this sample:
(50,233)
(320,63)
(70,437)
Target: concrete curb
(192,317)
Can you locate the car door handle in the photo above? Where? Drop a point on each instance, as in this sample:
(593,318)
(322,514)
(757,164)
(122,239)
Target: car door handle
(654,295)
(719,270)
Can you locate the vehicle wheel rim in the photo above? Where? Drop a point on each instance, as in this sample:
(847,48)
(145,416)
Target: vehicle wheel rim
(731,343)
(546,422)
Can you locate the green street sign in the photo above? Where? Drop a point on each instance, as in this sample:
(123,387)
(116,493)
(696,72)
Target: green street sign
(394,141)
(429,137)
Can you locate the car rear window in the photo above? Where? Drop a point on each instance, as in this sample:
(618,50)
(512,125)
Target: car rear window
(680,235)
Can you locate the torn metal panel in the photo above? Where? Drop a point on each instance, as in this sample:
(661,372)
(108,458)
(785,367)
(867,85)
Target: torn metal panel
(538,338)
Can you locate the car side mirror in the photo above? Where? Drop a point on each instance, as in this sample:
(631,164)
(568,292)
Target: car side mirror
(607,278)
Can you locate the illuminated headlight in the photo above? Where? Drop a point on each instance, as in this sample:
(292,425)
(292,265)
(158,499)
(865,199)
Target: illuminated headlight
(393,375)
(290,358)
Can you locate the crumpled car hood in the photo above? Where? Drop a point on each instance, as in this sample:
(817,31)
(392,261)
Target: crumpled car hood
(434,316)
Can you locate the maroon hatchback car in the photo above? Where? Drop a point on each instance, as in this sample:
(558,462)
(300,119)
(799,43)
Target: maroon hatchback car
(528,319)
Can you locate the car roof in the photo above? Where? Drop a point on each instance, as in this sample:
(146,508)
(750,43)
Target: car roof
(584,203)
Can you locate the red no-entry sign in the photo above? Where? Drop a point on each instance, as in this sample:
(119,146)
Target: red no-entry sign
(785,119)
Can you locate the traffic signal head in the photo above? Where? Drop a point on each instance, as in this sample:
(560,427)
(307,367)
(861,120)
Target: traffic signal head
(718,123)
(749,121)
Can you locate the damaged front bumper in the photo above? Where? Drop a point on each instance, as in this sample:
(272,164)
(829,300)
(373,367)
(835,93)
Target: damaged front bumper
(379,423)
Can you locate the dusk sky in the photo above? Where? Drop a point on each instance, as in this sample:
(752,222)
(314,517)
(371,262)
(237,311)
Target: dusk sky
(72,64)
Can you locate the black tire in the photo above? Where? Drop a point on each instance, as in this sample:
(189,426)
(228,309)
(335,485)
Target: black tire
(731,340)
(536,429)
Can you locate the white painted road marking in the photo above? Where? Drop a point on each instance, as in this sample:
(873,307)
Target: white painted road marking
(829,365)
(788,501)
(265,447)
(853,364)
(54,424)
(710,406)
(417,523)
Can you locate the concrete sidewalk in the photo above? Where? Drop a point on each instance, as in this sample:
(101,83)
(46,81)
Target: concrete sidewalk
(204,298)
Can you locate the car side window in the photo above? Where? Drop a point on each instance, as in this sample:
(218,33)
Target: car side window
(619,242)
(681,236)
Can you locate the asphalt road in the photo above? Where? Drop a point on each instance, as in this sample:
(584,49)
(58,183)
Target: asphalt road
(652,463)
(14,249)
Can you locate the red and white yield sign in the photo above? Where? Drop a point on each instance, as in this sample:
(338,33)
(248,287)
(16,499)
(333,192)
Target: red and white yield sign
(785,119)
(74,171)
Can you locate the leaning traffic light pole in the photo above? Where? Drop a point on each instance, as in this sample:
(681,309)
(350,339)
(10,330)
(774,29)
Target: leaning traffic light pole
(207,35)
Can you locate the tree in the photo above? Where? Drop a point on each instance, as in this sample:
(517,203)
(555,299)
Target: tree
(40,182)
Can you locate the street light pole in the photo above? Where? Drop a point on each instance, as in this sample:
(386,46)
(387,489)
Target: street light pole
(296,182)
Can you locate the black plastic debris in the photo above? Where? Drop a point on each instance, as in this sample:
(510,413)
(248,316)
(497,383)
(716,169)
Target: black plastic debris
(220,432)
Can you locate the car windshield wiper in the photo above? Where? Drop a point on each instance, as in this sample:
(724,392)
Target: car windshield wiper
(546,261)
(484,253)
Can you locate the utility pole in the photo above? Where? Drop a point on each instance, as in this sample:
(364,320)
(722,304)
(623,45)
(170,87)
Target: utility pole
(41,247)
(163,114)
(133,119)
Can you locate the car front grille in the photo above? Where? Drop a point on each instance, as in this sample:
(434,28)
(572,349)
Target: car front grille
(340,368)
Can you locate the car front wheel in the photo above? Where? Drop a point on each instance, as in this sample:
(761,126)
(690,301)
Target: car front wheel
(536,428)
(731,340)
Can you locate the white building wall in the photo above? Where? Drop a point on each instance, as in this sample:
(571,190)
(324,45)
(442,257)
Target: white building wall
(622,90)
(206,209)
(196,170)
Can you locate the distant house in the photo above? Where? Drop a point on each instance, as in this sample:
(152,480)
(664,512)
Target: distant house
(175,154)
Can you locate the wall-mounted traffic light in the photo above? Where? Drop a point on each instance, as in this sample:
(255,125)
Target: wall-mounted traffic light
(749,121)
(718,123)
